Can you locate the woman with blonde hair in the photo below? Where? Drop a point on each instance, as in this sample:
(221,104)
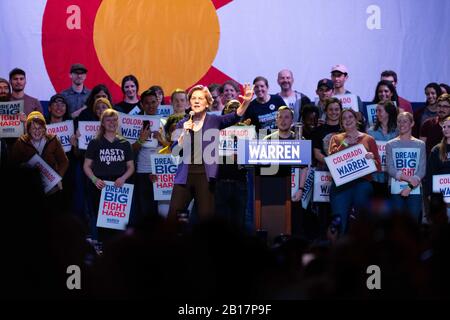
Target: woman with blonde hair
(406,165)
(198,171)
(108,157)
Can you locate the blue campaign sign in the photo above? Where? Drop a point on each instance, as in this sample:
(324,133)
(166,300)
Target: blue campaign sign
(284,152)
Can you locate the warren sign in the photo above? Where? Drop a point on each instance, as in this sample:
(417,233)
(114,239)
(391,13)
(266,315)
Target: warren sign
(284,152)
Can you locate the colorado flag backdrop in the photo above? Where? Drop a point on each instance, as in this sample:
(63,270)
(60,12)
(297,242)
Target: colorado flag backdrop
(179,43)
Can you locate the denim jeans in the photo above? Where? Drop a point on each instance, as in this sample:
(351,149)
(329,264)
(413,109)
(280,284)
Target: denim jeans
(412,204)
(354,194)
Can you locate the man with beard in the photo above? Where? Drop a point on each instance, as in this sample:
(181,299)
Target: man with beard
(77,94)
(5,90)
(293,99)
(431,130)
(18,80)
(6,143)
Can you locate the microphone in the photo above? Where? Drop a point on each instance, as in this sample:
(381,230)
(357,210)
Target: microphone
(191,114)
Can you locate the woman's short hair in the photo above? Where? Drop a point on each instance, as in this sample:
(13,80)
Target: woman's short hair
(329,101)
(205,90)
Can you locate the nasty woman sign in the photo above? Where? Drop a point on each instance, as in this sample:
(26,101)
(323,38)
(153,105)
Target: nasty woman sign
(441,183)
(115,204)
(350,164)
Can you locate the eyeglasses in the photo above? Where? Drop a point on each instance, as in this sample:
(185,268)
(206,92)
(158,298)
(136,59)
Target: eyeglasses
(36,129)
(443,106)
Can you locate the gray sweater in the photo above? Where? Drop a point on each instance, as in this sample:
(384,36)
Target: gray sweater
(413,143)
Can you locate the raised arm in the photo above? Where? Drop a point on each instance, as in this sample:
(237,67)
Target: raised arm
(247,97)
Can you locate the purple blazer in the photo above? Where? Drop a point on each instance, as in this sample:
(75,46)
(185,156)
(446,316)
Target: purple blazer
(211,121)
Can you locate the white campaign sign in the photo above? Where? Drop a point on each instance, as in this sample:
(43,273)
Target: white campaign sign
(164,110)
(406,160)
(371,114)
(381,145)
(307,192)
(349,101)
(50,177)
(228,138)
(88,131)
(115,205)
(164,167)
(63,130)
(350,164)
(441,183)
(10,124)
(131,126)
(322,185)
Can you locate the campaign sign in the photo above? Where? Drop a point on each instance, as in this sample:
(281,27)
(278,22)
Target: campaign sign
(228,138)
(10,124)
(115,205)
(308,187)
(131,126)
(63,130)
(371,114)
(381,145)
(350,164)
(164,110)
(50,177)
(322,185)
(405,160)
(349,101)
(164,167)
(284,152)
(88,131)
(441,183)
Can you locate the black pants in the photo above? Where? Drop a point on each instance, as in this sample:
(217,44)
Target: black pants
(145,204)
(198,188)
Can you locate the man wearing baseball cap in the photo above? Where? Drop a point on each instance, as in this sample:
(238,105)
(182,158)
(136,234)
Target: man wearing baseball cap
(77,94)
(339,75)
(324,91)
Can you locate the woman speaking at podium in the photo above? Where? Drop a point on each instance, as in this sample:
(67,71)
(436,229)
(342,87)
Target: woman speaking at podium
(199,141)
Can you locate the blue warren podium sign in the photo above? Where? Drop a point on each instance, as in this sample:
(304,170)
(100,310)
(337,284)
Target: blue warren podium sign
(283,152)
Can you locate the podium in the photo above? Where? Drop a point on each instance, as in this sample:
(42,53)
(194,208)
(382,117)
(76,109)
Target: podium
(272,207)
(272,192)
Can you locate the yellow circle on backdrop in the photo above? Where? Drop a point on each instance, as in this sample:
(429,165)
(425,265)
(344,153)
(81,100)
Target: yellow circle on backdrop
(171,43)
